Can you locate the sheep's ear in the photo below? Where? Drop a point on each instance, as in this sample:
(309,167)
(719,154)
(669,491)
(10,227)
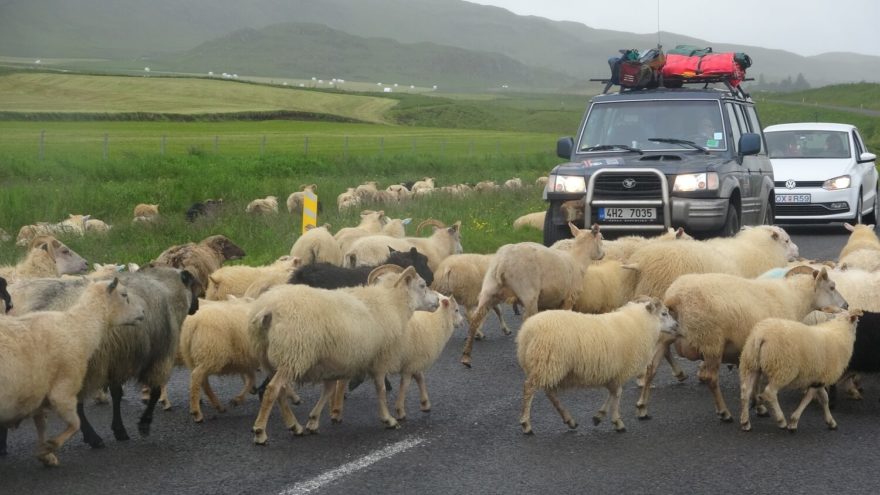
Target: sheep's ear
(848,227)
(573,228)
(266,321)
(595,229)
(213,280)
(631,266)
(392,250)
(112,286)
(455,227)
(679,232)
(774,236)
(444,302)
(296,262)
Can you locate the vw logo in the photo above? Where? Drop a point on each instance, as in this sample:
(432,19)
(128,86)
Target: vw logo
(790,184)
(629,183)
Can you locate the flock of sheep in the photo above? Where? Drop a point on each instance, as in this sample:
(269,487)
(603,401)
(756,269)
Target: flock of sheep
(371,302)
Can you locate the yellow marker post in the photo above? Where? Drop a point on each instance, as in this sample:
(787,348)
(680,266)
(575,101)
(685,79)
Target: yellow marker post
(310,211)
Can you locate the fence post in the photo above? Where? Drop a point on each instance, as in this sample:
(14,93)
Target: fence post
(106,139)
(216,143)
(42,142)
(306,146)
(162,149)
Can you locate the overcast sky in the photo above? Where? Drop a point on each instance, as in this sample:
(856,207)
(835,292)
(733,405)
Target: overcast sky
(805,27)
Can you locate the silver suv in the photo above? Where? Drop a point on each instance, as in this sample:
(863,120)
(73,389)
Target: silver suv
(647,160)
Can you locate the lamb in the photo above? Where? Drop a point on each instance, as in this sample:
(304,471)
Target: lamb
(54,347)
(74,224)
(793,355)
(207,210)
(399,191)
(514,183)
(201,259)
(317,244)
(146,213)
(371,222)
(533,220)
(215,341)
(716,313)
(47,257)
(235,280)
(560,349)
(542,181)
(97,226)
(861,237)
(538,276)
(367,191)
(5,297)
(145,353)
(328,276)
(347,200)
(424,186)
(263,206)
(748,254)
(295,200)
(486,186)
(315,335)
(444,242)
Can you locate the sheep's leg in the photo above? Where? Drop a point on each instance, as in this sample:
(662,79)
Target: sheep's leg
(849,386)
(90,436)
(823,399)
(677,372)
(249,379)
(746,393)
(286,413)
(616,420)
(270,395)
(294,397)
(330,387)
(196,378)
(382,397)
(147,416)
(118,428)
(101,397)
(3,432)
(424,401)
(65,407)
(212,397)
(769,396)
(476,322)
(650,372)
(338,401)
(504,329)
(400,403)
(809,395)
(525,419)
(563,412)
(44,454)
(709,375)
(163,398)
(600,415)
(261,389)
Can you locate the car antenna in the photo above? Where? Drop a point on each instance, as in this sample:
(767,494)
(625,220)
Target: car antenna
(659,45)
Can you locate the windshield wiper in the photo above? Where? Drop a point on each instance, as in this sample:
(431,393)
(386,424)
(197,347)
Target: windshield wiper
(607,147)
(680,141)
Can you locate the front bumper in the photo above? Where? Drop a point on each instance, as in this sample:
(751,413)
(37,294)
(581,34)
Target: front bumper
(824,206)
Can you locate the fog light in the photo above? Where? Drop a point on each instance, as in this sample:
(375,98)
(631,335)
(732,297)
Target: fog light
(842,205)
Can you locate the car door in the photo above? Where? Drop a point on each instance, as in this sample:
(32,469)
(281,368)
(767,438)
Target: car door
(751,168)
(866,170)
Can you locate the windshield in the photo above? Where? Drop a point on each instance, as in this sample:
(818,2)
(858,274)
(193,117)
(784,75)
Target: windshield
(808,144)
(636,123)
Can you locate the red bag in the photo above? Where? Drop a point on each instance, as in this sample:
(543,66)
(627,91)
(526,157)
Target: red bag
(634,74)
(722,64)
(681,66)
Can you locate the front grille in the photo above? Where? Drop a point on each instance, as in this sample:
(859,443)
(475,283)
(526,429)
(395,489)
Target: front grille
(800,183)
(612,185)
(813,210)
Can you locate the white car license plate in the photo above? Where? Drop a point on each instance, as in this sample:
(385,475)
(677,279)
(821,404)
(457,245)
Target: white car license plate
(792,198)
(628,214)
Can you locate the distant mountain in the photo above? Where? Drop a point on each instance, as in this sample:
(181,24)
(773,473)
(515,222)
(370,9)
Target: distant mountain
(133,28)
(303,50)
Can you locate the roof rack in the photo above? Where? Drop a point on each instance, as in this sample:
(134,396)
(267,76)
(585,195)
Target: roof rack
(704,80)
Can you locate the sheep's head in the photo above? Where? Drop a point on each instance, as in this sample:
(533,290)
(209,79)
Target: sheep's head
(67,261)
(221,244)
(4,295)
(779,235)
(411,258)
(123,310)
(657,309)
(588,240)
(825,291)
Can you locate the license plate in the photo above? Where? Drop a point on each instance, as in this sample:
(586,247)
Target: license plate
(792,198)
(627,214)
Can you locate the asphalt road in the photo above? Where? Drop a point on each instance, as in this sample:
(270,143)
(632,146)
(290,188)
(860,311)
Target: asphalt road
(471,441)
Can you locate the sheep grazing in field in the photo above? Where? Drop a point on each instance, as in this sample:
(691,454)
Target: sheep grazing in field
(533,220)
(792,355)
(514,183)
(328,276)
(367,191)
(296,199)
(538,276)
(399,191)
(486,186)
(460,276)
(422,187)
(74,224)
(235,280)
(97,226)
(716,313)
(750,253)
(317,245)
(201,259)
(46,257)
(347,200)
(44,358)
(215,341)
(562,349)
(206,210)
(263,206)
(146,213)
(312,335)
(5,297)
(862,249)
(542,181)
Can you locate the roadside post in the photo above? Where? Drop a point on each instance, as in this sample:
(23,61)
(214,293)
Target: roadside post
(310,211)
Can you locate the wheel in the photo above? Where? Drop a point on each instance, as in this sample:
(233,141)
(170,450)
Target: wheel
(857,218)
(769,217)
(553,233)
(731,223)
(872,217)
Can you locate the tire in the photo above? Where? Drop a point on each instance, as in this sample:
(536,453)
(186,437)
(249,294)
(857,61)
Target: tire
(872,217)
(731,222)
(857,218)
(553,233)
(769,217)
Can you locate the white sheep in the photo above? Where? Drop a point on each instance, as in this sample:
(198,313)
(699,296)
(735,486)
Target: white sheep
(560,349)
(372,250)
(514,183)
(399,191)
(371,222)
(538,276)
(317,245)
(860,288)
(295,200)
(534,220)
(486,186)
(146,213)
(263,206)
(716,313)
(44,357)
(347,200)
(748,254)
(542,181)
(236,279)
(424,186)
(367,191)
(97,226)
(792,355)
(200,259)
(861,237)
(47,257)
(310,335)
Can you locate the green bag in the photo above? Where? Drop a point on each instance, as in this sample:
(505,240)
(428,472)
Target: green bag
(690,51)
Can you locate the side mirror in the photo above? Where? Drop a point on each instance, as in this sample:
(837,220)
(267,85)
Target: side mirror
(564,147)
(749,144)
(867,157)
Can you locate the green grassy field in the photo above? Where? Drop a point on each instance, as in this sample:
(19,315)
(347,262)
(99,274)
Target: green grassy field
(856,95)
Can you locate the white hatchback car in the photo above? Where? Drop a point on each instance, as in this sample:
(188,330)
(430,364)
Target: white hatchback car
(822,173)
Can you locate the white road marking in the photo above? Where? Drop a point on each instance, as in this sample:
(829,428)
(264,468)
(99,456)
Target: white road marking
(352,467)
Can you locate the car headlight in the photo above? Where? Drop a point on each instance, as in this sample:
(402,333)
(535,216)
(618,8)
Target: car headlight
(567,184)
(836,183)
(706,181)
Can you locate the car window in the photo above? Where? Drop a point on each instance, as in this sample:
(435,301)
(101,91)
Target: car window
(808,144)
(735,123)
(634,123)
(860,148)
(755,125)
